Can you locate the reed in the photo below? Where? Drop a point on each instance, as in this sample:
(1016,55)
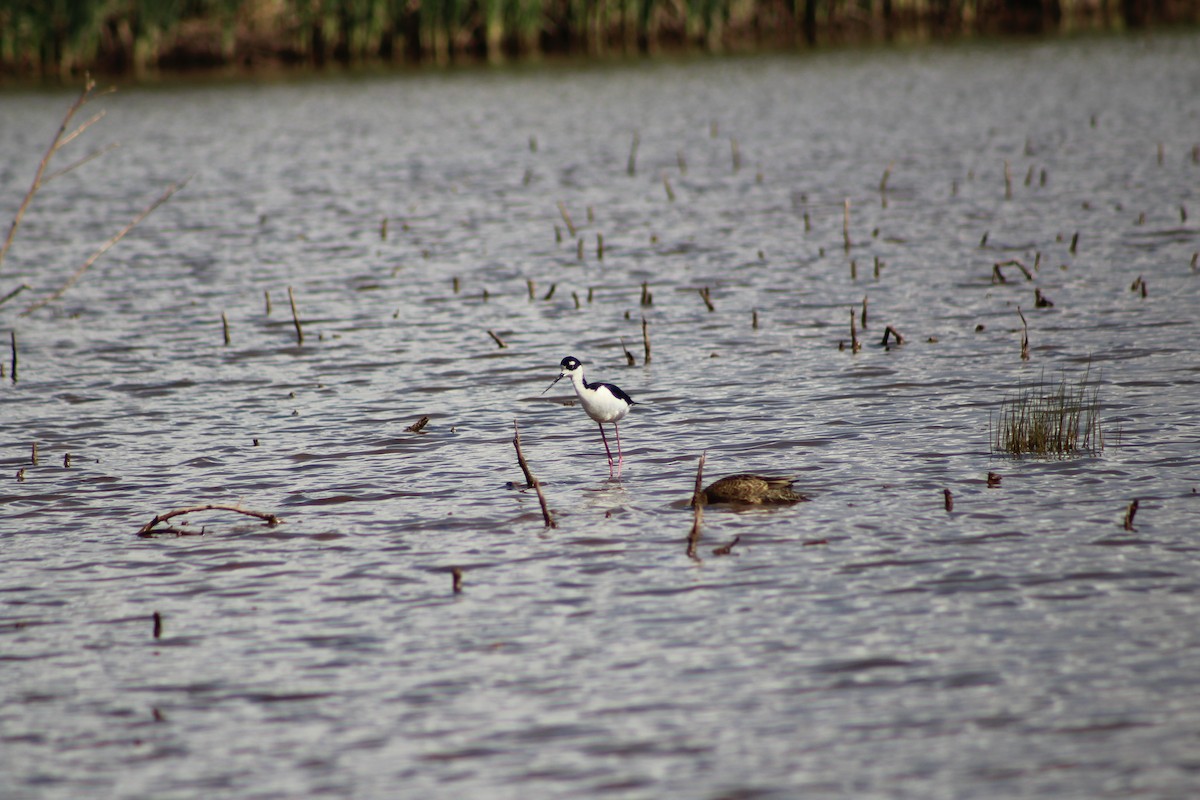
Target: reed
(58,39)
(1049,421)
(295,317)
(698,499)
(646,339)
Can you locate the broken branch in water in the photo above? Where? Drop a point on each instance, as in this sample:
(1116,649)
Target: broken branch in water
(147,530)
(104,248)
(530,479)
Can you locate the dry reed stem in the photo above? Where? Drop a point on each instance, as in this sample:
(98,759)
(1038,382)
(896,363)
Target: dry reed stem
(1024,336)
(104,248)
(998,275)
(61,139)
(646,339)
(418,425)
(530,479)
(148,529)
(1130,513)
(157,629)
(667,185)
(456,578)
(499,342)
(697,509)
(948,499)
(13,293)
(631,164)
(629,359)
(562,209)
(295,317)
(846,224)
(855,344)
(225,327)
(706,296)
(12,338)
(889,331)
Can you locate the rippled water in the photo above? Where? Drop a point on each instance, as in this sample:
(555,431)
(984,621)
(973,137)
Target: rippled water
(868,643)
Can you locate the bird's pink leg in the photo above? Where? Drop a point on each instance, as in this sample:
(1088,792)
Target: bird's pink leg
(620,456)
(605,439)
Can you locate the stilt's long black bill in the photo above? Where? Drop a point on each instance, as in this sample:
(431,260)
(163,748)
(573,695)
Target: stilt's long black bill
(556,380)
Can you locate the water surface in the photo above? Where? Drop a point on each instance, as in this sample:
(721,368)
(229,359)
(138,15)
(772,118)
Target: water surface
(866,644)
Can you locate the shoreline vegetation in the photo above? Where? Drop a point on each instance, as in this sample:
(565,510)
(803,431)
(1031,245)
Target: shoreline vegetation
(63,40)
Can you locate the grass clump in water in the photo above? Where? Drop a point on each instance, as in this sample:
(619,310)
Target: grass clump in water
(1051,421)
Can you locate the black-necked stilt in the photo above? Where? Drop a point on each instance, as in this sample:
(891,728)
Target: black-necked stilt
(603,402)
(751,489)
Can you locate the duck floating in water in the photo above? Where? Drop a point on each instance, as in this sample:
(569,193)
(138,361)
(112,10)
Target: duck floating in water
(751,490)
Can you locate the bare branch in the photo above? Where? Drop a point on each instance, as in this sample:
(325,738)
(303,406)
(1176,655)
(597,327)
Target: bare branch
(104,248)
(148,529)
(88,86)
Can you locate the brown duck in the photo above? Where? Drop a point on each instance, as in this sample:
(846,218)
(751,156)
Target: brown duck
(751,490)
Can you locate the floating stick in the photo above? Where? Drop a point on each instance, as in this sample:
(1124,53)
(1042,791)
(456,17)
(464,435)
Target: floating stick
(456,580)
(707,298)
(499,342)
(418,425)
(148,529)
(949,499)
(158,626)
(295,317)
(599,247)
(550,293)
(225,327)
(530,479)
(646,339)
(267,301)
(631,164)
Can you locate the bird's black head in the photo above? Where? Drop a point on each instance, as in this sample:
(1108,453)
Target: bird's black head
(570,363)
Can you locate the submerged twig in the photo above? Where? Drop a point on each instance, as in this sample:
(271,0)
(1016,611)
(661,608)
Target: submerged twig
(1130,513)
(148,529)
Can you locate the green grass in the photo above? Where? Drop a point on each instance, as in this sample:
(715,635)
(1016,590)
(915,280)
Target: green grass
(1050,421)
